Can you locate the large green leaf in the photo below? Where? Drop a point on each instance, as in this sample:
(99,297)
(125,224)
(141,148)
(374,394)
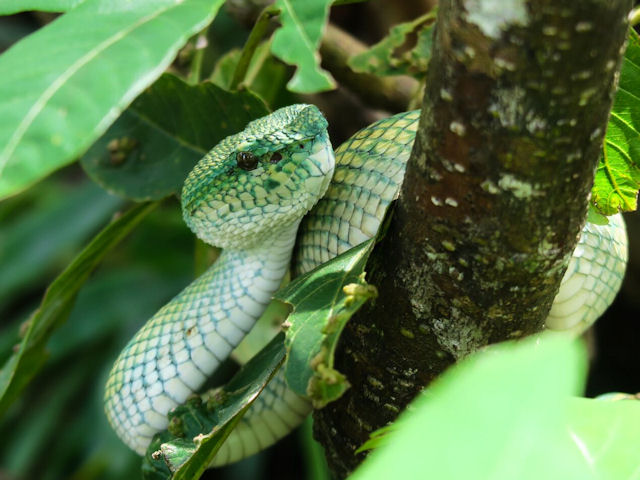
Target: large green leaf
(32,245)
(600,435)
(9,7)
(498,415)
(323,300)
(150,149)
(58,300)
(205,423)
(61,87)
(108,307)
(138,276)
(607,434)
(40,423)
(297,41)
(618,177)
(406,50)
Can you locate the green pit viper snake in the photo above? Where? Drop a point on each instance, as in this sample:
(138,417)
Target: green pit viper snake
(248,195)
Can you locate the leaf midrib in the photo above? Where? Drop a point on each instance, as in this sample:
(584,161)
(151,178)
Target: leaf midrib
(57,84)
(156,126)
(612,180)
(298,24)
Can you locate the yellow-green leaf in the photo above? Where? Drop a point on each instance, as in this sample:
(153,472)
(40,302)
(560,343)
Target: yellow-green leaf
(618,177)
(62,86)
(297,43)
(406,50)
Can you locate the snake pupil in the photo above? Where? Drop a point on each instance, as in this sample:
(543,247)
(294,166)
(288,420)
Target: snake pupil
(246,160)
(276,157)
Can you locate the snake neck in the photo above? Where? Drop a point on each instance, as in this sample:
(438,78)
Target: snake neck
(248,278)
(184,343)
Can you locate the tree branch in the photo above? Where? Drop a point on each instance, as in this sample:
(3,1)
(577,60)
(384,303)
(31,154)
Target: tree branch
(495,195)
(389,93)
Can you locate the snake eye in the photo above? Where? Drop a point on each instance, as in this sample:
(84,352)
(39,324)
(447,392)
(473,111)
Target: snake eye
(276,157)
(246,160)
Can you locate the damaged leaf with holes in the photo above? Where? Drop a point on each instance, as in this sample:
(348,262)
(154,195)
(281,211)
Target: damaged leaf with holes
(296,43)
(405,51)
(323,300)
(618,177)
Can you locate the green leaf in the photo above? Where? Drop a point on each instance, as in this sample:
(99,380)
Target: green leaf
(313,453)
(266,75)
(297,41)
(136,278)
(607,434)
(188,455)
(379,437)
(9,7)
(65,221)
(323,300)
(405,51)
(618,176)
(500,414)
(56,304)
(148,152)
(593,216)
(61,87)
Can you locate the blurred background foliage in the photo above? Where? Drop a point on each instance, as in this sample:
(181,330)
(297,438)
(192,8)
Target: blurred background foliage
(57,428)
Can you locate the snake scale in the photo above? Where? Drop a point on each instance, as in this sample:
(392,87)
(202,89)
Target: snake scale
(248,195)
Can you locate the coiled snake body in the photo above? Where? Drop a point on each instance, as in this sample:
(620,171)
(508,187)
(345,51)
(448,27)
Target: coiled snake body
(248,196)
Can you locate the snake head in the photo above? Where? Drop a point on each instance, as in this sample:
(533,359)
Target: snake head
(259,181)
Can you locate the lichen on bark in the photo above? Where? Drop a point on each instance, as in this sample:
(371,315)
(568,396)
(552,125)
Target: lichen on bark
(494,197)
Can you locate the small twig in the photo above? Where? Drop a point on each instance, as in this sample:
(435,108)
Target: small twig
(256,35)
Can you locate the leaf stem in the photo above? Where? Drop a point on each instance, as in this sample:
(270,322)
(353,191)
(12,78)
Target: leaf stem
(388,93)
(257,32)
(200,46)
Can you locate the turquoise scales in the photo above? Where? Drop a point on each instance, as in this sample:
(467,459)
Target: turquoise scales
(593,277)
(369,169)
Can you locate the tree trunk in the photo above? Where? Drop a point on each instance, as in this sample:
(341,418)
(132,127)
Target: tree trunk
(517,100)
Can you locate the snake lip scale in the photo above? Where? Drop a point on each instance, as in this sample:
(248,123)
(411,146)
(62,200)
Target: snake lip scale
(248,195)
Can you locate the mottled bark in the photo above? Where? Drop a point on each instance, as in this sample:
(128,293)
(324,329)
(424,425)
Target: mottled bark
(517,100)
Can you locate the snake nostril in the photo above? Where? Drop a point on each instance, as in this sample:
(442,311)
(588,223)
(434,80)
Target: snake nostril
(246,160)
(276,157)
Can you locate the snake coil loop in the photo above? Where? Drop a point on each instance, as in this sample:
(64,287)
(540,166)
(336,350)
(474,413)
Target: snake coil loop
(286,164)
